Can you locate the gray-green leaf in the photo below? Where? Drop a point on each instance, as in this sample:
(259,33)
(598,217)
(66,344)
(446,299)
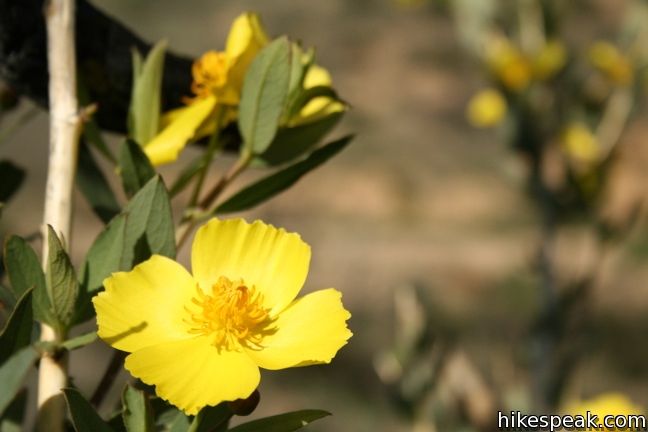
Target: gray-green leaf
(94,186)
(12,374)
(135,168)
(263,96)
(282,180)
(149,226)
(287,422)
(84,416)
(144,114)
(62,284)
(17,331)
(137,412)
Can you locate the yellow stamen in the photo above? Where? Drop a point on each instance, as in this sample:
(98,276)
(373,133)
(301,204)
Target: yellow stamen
(209,74)
(232,313)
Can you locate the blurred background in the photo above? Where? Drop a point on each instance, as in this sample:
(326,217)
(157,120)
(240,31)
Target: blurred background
(424,222)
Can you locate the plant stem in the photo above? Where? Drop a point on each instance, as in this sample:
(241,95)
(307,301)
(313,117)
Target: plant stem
(239,166)
(213,146)
(108,378)
(65,127)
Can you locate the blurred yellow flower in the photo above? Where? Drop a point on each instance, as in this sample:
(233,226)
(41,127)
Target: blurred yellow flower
(615,404)
(550,60)
(507,63)
(611,62)
(580,144)
(201,338)
(217,82)
(486,108)
(320,106)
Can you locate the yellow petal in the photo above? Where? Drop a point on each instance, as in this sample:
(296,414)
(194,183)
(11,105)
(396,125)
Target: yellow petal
(272,260)
(145,306)
(191,373)
(320,106)
(246,38)
(166,146)
(486,108)
(580,143)
(310,331)
(550,60)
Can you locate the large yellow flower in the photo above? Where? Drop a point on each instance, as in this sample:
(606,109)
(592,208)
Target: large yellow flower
(217,82)
(200,339)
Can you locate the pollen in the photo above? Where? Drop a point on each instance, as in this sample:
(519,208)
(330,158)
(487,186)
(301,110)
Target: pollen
(232,313)
(209,74)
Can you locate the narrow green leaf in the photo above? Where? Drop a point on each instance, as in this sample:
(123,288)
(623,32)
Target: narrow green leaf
(13,373)
(187,174)
(62,284)
(144,114)
(24,270)
(14,415)
(92,134)
(149,226)
(11,177)
(137,412)
(18,329)
(289,143)
(79,341)
(287,422)
(211,418)
(136,169)
(94,186)
(7,300)
(263,97)
(84,416)
(281,180)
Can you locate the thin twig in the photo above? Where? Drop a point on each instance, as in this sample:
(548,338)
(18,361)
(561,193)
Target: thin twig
(108,378)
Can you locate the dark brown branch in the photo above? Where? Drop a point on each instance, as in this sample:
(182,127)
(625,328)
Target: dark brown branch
(103,55)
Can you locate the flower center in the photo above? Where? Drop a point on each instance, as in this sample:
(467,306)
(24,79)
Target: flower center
(210,74)
(232,313)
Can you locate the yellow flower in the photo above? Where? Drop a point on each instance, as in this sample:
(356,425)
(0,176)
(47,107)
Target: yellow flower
(615,404)
(549,60)
(217,82)
(201,338)
(486,108)
(611,62)
(580,144)
(320,106)
(508,64)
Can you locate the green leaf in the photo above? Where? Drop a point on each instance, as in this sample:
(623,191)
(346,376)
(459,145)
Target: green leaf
(136,169)
(281,180)
(263,97)
(137,412)
(144,113)
(149,226)
(79,341)
(18,329)
(14,415)
(13,373)
(103,259)
(94,186)
(294,141)
(62,284)
(211,418)
(84,416)
(287,422)
(25,272)
(11,177)
(180,423)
